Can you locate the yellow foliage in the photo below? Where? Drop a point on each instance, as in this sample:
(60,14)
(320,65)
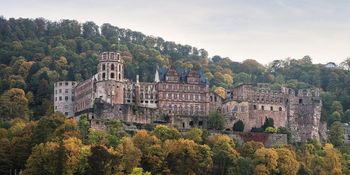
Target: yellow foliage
(220,91)
(267,157)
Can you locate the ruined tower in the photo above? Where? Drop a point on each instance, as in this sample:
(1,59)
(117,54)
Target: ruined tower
(110,78)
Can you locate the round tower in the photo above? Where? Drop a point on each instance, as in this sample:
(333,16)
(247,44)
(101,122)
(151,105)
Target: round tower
(110,78)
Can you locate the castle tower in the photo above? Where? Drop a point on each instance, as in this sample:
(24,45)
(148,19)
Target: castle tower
(110,78)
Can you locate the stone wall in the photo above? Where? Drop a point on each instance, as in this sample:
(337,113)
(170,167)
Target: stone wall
(269,140)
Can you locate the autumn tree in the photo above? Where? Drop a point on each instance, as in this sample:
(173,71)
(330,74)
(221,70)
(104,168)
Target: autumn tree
(332,160)
(13,103)
(265,161)
(287,162)
(129,155)
(153,154)
(186,157)
(224,153)
(164,133)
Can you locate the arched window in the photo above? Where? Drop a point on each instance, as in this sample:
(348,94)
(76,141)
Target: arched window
(103,76)
(119,76)
(280,109)
(120,68)
(103,67)
(112,75)
(112,67)
(262,107)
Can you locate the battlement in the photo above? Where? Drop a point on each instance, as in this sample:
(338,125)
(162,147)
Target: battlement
(111,56)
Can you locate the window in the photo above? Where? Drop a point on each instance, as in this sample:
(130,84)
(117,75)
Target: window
(112,75)
(103,67)
(120,77)
(271,108)
(65,113)
(200,123)
(262,107)
(72,98)
(60,84)
(60,98)
(66,83)
(60,90)
(254,106)
(66,98)
(66,91)
(280,108)
(103,75)
(112,67)
(55,98)
(300,101)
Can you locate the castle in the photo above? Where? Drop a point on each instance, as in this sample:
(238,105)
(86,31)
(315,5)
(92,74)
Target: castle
(182,98)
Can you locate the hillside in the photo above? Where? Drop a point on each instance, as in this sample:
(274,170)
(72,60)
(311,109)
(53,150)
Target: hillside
(34,53)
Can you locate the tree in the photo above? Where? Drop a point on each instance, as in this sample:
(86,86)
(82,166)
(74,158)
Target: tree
(164,133)
(129,155)
(46,127)
(220,91)
(271,130)
(337,106)
(152,153)
(67,157)
(224,153)
(248,148)
(266,161)
(5,159)
(332,160)
(336,134)
(186,157)
(238,126)
(216,121)
(84,126)
(102,161)
(268,123)
(194,134)
(139,171)
(13,103)
(346,118)
(287,162)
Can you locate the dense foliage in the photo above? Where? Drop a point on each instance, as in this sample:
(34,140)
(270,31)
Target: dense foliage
(56,145)
(34,53)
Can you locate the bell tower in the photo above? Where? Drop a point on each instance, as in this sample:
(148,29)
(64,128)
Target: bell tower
(110,78)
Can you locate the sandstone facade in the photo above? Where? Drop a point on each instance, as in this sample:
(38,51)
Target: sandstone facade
(182,98)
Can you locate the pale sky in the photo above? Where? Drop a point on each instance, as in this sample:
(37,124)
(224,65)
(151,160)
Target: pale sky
(264,30)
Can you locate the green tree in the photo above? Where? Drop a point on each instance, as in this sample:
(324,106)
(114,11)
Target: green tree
(194,134)
(336,134)
(216,121)
(164,133)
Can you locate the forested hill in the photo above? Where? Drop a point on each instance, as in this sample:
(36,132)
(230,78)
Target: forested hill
(34,53)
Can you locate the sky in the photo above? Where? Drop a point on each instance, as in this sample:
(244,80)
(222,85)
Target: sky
(264,30)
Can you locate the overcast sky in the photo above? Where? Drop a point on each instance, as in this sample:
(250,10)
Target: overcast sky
(240,29)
